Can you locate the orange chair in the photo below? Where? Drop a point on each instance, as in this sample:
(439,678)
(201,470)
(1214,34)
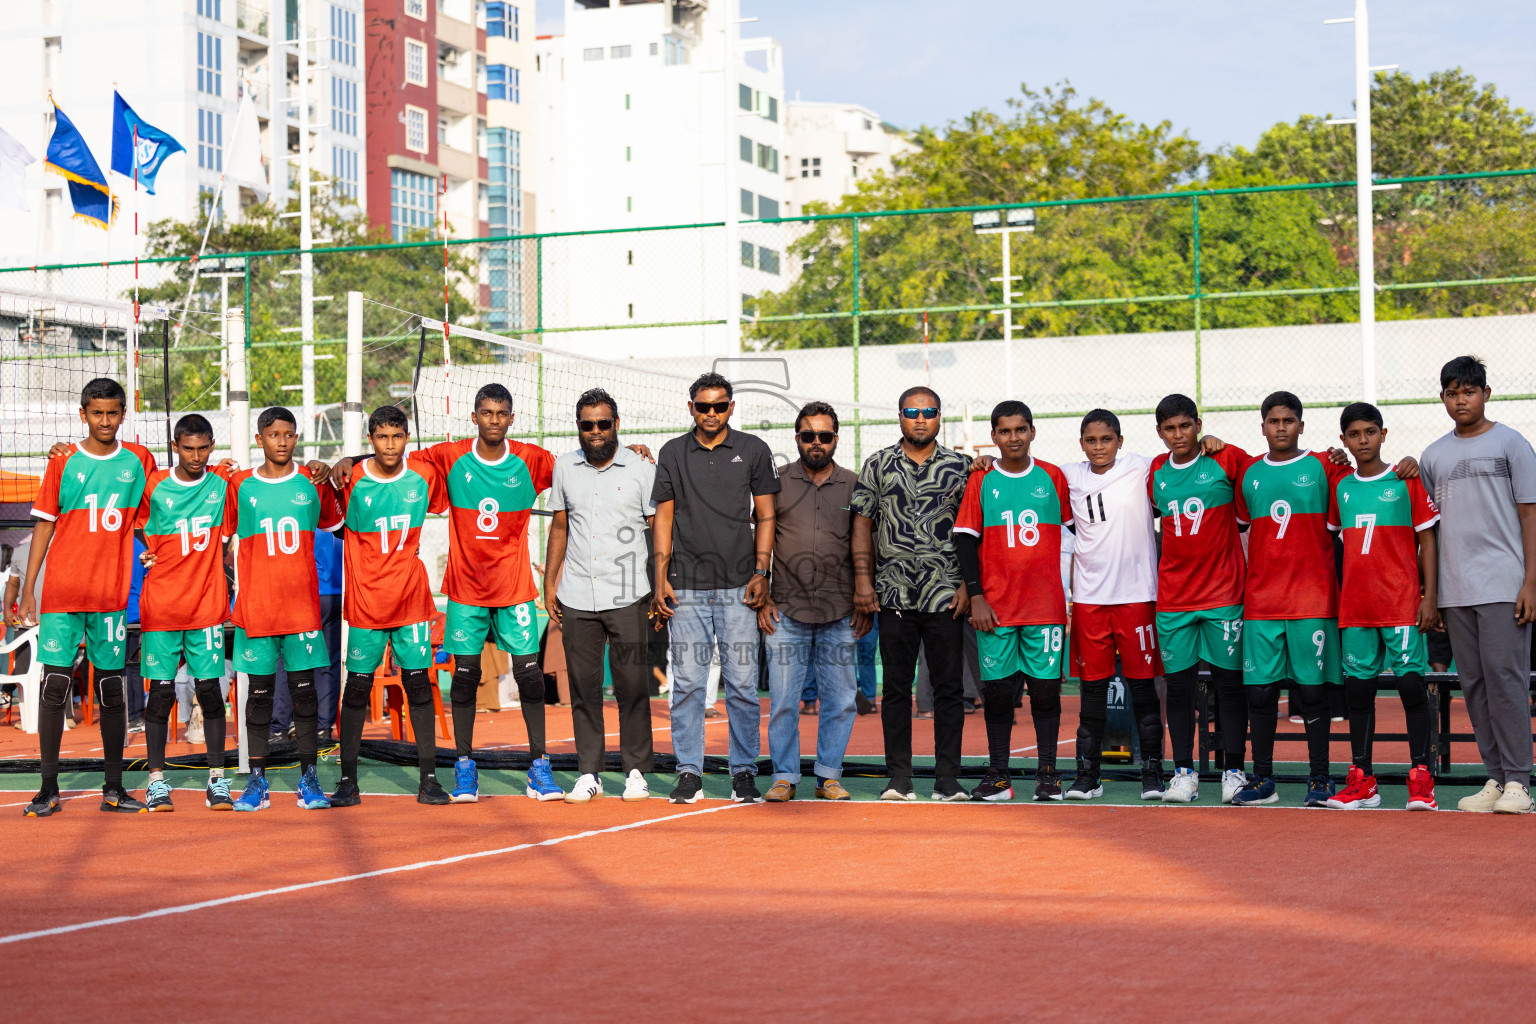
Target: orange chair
(389,692)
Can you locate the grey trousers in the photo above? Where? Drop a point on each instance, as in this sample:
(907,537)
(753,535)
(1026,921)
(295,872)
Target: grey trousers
(1493,660)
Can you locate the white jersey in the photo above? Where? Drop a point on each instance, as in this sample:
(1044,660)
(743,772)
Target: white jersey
(1115,554)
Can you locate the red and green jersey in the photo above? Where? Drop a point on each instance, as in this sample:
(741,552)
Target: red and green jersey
(277,588)
(183,526)
(1290,547)
(1018,519)
(92,501)
(1380,517)
(1201,565)
(489,505)
(387,583)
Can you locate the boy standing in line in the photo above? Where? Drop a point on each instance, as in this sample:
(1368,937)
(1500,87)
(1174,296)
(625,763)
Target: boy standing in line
(272,513)
(388,599)
(184,603)
(1008,543)
(1384,614)
(86,501)
(1482,475)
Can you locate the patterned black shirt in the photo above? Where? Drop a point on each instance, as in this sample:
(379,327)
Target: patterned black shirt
(913,506)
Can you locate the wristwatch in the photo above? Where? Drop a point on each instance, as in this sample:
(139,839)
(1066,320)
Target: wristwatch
(760,572)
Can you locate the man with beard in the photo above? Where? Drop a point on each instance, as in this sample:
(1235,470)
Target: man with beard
(595,587)
(809,618)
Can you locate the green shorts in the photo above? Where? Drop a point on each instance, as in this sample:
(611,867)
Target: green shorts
(257,655)
(514,630)
(412,646)
(162,650)
(1370,650)
(1304,651)
(1032,650)
(105,635)
(1211,635)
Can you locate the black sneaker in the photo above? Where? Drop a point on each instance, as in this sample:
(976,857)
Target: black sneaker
(430,792)
(1085,787)
(969,705)
(898,789)
(744,788)
(326,737)
(347,794)
(687,789)
(1152,785)
(948,789)
(864,704)
(119,800)
(1047,784)
(45,803)
(995,786)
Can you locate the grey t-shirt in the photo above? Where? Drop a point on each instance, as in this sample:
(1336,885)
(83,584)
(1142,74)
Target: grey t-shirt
(1477,483)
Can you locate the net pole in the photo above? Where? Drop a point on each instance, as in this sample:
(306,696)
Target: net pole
(165,384)
(858,415)
(352,408)
(447,356)
(1364,213)
(1195,260)
(240,451)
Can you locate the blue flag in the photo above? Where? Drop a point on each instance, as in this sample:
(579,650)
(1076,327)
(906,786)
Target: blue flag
(70,158)
(154,145)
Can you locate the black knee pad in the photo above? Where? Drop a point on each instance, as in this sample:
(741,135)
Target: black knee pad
(110,689)
(417,685)
(1264,699)
(530,680)
(210,697)
(1360,695)
(1313,700)
(357,691)
(258,702)
(997,700)
(162,697)
(1413,690)
(1045,698)
(56,684)
(301,686)
(466,681)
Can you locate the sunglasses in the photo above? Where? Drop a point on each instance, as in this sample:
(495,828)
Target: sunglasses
(707,407)
(587,426)
(810,436)
(926,413)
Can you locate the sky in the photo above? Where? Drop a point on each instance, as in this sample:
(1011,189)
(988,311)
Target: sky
(1224,70)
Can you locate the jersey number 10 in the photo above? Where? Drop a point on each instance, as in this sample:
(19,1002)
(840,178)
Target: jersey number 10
(284,539)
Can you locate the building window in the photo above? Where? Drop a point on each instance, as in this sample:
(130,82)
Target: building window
(416,129)
(344,170)
(748,254)
(653,49)
(206,196)
(210,64)
(767,209)
(772,113)
(746,149)
(501,20)
(415,62)
(767,260)
(592,53)
(343,36)
(810,168)
(442,130)
(626,101)
(629,204)
(744,96)
(629,154)
(416,9)
(210,140)
(618,52)
(211,9)
(677,52)
(480,137)
(868,124)
(503,83)
(412,202)
(767,158)
(748,202)
(343,106)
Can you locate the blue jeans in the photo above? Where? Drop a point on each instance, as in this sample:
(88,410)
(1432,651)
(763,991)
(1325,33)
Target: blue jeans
(792,649)
(864,650)
(706,621)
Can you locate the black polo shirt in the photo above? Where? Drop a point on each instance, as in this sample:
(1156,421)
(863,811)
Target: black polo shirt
(711,490)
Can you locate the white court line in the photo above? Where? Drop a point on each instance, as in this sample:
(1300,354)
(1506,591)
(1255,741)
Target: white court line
(187,908)
(1060,743)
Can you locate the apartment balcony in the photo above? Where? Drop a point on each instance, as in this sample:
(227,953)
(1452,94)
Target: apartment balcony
(456,98)
(458,164)
(253,17)
(866,143)
(458,34)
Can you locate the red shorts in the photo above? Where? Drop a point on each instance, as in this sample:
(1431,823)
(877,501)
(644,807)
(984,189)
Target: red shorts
(1098,630)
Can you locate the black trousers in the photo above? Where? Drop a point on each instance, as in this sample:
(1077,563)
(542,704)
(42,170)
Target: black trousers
(939,635)
(621,635)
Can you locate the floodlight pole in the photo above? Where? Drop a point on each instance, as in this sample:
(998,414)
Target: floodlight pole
(1005,235)
(1365,216)
(306,242)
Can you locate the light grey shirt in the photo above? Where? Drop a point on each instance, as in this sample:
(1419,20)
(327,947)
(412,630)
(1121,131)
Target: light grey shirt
(1477,482)
(605,549)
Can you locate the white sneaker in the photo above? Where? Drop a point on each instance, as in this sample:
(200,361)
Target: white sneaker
(1183,788)
(195,726)
(635,788)
(1232,780)
(1483,800)
(587,787)
(1516,800)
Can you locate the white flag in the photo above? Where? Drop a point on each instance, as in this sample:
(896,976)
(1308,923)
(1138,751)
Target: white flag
(14,159)
(245,152)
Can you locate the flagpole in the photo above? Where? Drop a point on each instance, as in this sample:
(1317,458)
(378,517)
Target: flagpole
(136,254)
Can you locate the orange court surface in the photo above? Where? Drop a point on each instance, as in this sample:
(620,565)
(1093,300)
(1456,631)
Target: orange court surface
(802,911)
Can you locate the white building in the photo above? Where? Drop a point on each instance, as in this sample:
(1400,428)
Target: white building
(831,147)
(181,64)
(643,123)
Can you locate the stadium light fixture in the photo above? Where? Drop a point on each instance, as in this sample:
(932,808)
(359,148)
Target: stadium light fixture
(986,220)
(1021,217)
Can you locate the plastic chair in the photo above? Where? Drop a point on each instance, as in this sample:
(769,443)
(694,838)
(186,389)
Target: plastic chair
(29,681)
(389,692)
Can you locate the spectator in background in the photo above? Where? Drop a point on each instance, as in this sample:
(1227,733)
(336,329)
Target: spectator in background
(864,649)
(133,682)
